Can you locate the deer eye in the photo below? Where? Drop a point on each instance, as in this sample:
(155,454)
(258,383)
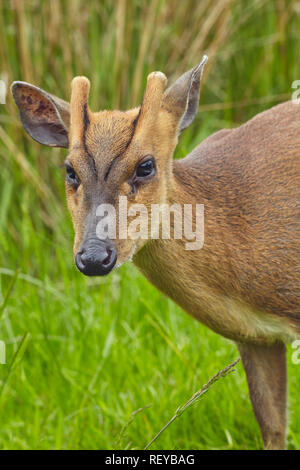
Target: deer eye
(146,168)
(71,176)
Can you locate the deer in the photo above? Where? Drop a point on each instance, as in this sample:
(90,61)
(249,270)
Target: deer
(244,283)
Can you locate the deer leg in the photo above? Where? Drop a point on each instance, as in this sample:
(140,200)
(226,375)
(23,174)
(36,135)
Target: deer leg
(265,368)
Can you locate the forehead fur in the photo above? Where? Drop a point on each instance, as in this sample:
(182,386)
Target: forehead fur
(106,135)
(110,132)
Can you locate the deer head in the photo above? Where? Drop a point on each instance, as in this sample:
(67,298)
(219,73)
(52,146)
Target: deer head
(111,154)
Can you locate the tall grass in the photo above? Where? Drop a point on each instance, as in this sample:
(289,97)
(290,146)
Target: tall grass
(252,47)
(99,350)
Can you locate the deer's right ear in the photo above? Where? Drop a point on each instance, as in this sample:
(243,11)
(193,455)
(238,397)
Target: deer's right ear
(45,117)
(182,98)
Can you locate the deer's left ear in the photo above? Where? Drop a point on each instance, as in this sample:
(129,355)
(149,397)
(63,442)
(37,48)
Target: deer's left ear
(182,98)
(45,117)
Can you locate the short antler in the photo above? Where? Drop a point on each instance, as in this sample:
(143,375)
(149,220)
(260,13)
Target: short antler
(156,84)
(79,109)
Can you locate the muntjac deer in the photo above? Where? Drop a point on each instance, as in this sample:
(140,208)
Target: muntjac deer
(244,282)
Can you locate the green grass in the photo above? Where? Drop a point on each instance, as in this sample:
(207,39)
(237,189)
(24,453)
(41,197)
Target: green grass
(83,355)
(99,350)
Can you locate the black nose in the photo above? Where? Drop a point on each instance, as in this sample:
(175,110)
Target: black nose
(96,258)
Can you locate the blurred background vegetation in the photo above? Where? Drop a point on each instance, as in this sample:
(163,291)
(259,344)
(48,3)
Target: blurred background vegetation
(84,354)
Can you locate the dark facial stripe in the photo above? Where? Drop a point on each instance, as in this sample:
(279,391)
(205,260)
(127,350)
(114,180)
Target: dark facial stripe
(134,123)
(86,123)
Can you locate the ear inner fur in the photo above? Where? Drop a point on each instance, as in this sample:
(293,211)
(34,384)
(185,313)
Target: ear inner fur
(45,117)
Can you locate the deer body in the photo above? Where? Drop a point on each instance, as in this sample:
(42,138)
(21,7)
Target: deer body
(245,281)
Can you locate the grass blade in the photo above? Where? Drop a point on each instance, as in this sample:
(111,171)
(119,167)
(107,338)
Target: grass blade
(181,409)
(16,357)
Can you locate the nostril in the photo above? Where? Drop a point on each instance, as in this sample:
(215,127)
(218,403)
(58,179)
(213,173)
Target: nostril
(107,260)
(81,259)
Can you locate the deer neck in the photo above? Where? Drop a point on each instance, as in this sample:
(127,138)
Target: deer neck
(170,256)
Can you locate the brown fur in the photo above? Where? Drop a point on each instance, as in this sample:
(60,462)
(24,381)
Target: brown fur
(251,253)
(245,281)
